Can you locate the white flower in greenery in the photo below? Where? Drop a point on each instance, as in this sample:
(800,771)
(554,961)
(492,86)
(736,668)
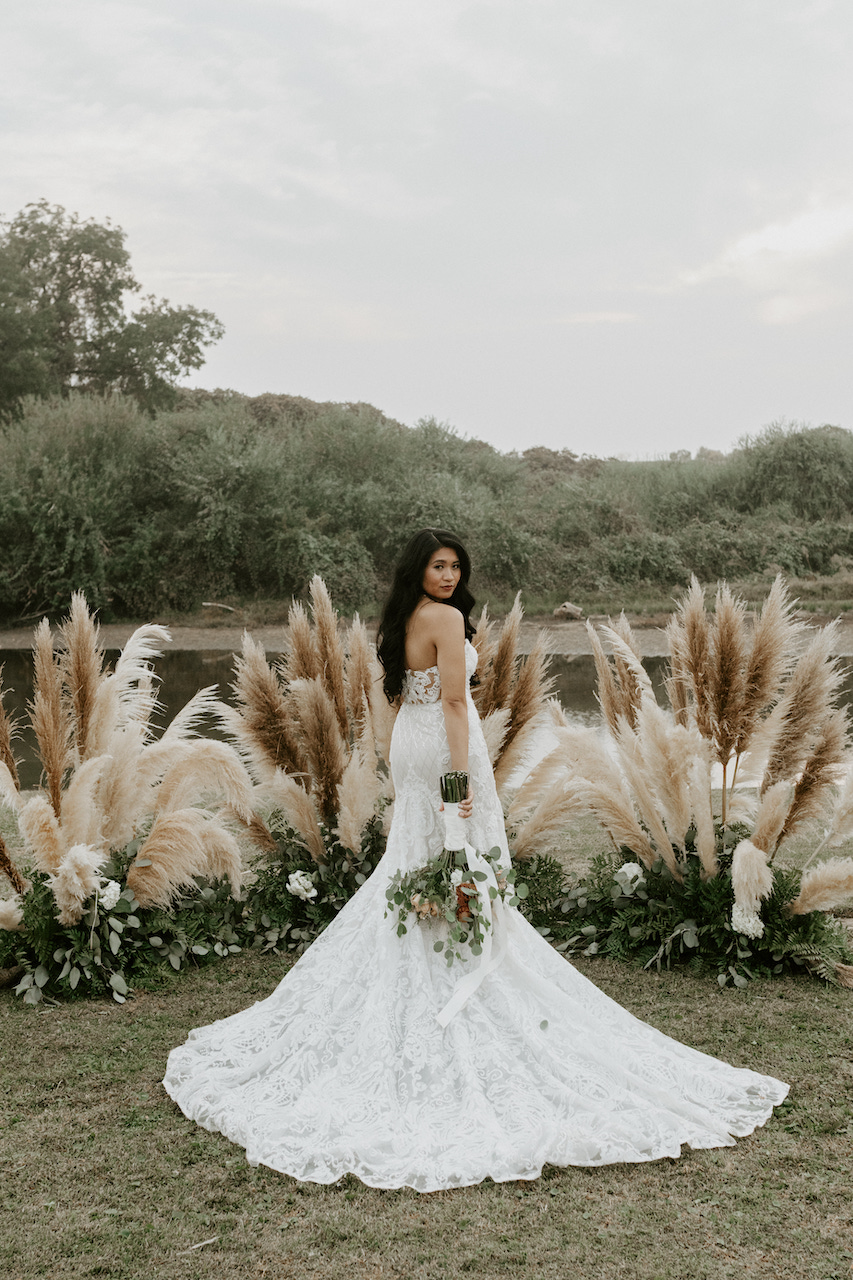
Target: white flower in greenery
(456,877)
(109,894)
(630,876)
(746,922)
(301,885)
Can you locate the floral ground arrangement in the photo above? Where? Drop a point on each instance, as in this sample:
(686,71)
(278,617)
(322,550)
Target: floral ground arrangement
(146,849)
(692,875)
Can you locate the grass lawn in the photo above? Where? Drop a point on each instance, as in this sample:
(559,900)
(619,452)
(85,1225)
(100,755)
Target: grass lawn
(102,1176)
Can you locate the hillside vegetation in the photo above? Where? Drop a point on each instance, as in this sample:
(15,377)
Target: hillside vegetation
(227,497)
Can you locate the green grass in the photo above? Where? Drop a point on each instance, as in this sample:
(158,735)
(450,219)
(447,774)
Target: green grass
(102,1176)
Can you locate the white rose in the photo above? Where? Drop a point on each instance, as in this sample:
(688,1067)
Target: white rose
(109,894)
(630,876)
(301,885)
(746,922)
(456,877)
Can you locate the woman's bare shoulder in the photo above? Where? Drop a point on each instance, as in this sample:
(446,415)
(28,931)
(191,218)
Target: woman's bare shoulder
(441,619)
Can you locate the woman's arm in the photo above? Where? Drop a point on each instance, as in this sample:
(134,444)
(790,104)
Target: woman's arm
(449,636)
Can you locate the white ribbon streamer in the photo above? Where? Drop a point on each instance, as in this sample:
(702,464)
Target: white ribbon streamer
(490,957)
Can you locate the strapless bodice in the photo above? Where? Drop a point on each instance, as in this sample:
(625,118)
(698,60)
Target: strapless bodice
(424,687)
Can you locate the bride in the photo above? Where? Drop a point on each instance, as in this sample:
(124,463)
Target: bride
(373,1057)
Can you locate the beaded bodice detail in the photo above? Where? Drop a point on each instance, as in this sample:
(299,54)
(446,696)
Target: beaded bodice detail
(424,687)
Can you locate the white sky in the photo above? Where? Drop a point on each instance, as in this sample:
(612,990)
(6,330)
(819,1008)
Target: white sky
(615,226)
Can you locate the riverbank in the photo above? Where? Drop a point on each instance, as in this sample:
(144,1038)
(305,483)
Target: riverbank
(569,639)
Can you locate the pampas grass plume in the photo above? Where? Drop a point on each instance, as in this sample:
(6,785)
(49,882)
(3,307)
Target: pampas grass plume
(49,713)
(770,819)
(299,810)
(322,743)
(358,793)
(8,868)
(497,680)
(7,734)
(330,650)
(302,661)
(170,858)
(752,878)
(11,914)
(207,768)
(76,880)
(263,726)
(40,828)
(82,667)
(825,886)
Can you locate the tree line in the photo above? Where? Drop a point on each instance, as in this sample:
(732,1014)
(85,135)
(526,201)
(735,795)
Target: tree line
(226,497)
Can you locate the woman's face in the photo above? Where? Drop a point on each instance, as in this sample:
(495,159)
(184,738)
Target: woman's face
(442,573)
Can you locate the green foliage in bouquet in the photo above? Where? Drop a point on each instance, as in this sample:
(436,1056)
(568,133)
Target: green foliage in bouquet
(446,890)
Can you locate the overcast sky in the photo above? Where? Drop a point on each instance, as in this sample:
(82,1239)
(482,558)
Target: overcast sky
(614,226)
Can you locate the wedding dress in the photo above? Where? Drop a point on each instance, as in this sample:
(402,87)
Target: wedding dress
(346,1068)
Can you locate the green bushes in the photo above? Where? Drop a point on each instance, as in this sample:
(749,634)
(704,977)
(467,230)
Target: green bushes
(230,496)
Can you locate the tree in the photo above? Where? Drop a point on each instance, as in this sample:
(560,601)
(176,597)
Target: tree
(63,323)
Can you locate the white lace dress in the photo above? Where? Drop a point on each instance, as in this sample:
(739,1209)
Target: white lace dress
(346,1069)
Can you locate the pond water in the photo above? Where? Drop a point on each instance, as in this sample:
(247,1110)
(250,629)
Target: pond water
(184,672)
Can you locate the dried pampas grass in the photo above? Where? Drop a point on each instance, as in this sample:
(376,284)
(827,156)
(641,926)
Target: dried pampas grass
(39,827)
(329,649)
(727,674)
(263,725)
(692,633)
(9,870)
(818,774)
(699,786)
(358,676)
(49,714)
(11,914)
(83,671)
(770,660)
(323,746)
(8,733)
(752,878)
(498,675)
(824,886)
(769,822)
(210,768)
(358,794)
(545,825)
(494,731)
(789,732)
(182,844)
(76,880)
(81,816)
(302,661)
(299,811)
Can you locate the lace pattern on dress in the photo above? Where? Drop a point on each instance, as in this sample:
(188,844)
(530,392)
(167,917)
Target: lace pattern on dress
(422,686)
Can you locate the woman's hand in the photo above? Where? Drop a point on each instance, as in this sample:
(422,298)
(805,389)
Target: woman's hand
(466,806)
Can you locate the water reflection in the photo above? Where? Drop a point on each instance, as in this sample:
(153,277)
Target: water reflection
(184,672)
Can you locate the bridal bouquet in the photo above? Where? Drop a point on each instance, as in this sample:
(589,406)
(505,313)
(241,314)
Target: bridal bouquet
(452,886)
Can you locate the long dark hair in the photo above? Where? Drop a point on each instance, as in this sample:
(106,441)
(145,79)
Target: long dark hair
(406,591)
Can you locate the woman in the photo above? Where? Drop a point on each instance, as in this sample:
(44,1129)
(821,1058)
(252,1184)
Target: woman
(374,1057)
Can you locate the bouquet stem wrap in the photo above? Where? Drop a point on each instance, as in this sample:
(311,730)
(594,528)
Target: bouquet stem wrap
(454,789)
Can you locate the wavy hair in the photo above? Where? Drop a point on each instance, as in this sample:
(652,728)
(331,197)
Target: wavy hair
(406,591)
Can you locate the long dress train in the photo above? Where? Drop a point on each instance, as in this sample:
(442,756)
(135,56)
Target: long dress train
(345,1067)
